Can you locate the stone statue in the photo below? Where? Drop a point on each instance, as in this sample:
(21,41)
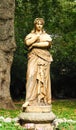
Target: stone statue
(37,112)
(38,85)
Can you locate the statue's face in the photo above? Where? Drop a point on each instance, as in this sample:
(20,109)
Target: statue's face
(39,26)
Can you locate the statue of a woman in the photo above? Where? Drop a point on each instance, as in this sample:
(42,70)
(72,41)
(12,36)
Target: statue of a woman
(38,86)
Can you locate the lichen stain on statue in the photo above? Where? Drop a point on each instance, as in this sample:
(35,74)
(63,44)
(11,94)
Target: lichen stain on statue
(38,86)
(37,106)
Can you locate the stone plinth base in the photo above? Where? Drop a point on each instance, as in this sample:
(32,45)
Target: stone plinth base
(37,118)
(32,126)
(41,109)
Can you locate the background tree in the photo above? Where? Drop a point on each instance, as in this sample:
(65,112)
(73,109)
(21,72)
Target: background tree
(7,47)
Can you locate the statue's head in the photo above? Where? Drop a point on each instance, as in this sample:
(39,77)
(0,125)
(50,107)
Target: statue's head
(39,20)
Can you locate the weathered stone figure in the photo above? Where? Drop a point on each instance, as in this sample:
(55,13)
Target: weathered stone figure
(37,111)
(7,47)
(38,86)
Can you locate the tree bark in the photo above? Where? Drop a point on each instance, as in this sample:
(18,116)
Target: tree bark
(7,48)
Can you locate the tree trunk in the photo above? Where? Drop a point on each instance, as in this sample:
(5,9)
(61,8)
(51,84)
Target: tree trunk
(7,48)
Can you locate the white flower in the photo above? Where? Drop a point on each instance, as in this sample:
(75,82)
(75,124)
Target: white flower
(7,120)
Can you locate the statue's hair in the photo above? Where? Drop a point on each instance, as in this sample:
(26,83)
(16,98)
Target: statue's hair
(36,21)
(39,19)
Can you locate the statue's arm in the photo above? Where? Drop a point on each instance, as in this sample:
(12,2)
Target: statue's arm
(30,39)
(46,42)
(42,44)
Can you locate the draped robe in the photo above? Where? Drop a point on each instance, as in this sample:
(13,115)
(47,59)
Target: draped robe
(38,83)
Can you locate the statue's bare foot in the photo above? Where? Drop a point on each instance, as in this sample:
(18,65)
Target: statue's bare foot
(25,104)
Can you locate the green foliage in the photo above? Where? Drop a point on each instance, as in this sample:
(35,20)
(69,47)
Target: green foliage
(66,126)
(65,109)
(59,16)
(9,113)
(64,59)
(10,126)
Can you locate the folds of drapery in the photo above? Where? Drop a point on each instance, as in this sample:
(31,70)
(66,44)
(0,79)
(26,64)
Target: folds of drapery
(38,84)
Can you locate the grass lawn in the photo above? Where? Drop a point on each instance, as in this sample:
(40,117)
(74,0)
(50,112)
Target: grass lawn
(64,109)
(61,108)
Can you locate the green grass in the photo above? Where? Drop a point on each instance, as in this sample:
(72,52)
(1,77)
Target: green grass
(9,113)
(61,108)
(10,126)
(64,109)
(66,126)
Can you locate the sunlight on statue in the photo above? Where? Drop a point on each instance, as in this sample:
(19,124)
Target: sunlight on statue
(38,85)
